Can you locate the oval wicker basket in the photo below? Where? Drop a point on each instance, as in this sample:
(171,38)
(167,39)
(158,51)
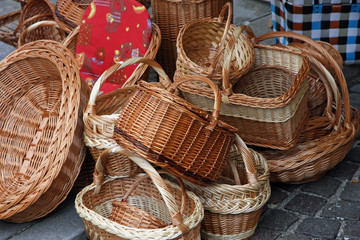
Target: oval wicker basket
(42,99)
(171,16)
(151,210)
(326,139)
(200,46)
(267,121)
(173,134)
(234,203)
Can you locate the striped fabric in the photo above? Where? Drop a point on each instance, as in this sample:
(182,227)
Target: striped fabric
(333,21)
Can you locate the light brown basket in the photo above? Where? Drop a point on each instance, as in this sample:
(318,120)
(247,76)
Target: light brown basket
(200,48)
(267,120)
(173,134)
(69,13)
(171,16)
(8,23)
(42,99)
(102,112)
(158,198)
(234,203)
(326,139)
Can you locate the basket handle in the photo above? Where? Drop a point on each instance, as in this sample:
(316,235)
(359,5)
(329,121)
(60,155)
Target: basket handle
(143,177)
(176,216)
(30,19)
(71,36)
(217,101)
(338,72)
(226,85)
(32,27)
(229,8)
(118,66)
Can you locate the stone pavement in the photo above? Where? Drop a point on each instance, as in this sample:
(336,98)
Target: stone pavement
(325,209)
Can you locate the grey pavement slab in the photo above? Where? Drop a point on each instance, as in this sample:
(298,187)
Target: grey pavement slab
(306,204)
(278,219)
(325,187)
(352,230)
(322,228)
(351,192)
(342,210)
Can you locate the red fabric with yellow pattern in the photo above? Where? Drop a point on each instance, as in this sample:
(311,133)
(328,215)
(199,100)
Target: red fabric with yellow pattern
(111,31)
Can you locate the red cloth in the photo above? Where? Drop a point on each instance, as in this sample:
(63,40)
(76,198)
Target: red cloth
(111,31)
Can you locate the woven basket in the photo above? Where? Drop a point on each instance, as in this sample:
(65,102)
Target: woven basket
(234,203)
(171,16)
(157,203)
(326,139)
(102,112)
(263,120)
(69,13)
(42,99)
(8,23)
(200,46)
(173,134)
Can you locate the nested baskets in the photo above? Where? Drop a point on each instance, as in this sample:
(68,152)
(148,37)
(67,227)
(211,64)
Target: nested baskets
(69,13)
(234,203)
(138,208)
(200,48)
(173,134)
(326,139)
(268,105)
(171,16)
(41,151)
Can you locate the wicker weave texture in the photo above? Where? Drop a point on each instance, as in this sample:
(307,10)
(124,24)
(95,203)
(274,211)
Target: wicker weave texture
(41,109)
(170,132)
(326,139)
(171,16)
(8,24)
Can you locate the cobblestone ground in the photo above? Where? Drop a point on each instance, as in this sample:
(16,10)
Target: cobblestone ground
(325,209)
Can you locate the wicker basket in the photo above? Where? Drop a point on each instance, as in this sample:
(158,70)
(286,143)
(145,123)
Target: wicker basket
(101,113)
(263,120)
(151,210)
(42,99)
(326,139)
(171,16)
(234,203)
(69,13)
(173,134)
(8,23)
(200,46)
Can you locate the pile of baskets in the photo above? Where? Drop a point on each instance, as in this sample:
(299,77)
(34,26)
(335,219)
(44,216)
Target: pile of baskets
(167,159)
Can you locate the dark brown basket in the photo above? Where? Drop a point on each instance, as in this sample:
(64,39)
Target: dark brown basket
(171,133)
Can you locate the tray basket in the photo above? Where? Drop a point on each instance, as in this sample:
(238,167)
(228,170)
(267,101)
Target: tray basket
(69,13)
(173,134)
(234,203)
(131,208)
(42,100)
(200,46)
(171,16)
(8,24)
(326,139)
(102,112)
(267,121)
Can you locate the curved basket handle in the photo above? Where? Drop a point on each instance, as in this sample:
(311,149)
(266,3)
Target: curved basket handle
(338,72)
(142,178)
(226,85)
(36,25)
(30,19)
(229,8)
(176,217)
(119,66)
(217,101)
(73,34)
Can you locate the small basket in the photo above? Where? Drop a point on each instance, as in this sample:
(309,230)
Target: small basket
(69,13)
(171,16)
(42,100)
(173,134)
(267,120)
(326,139)
(138,208)
(8,23)
(234,203)
(200,45)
